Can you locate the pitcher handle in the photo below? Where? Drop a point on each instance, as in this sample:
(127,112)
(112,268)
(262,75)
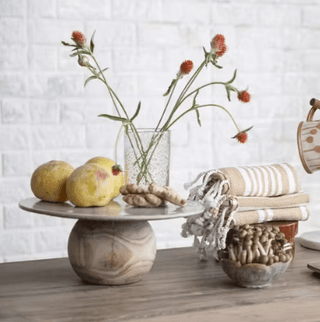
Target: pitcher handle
(315,105)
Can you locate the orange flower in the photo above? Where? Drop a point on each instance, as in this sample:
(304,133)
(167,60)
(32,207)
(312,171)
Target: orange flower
(244,96)
(242,137)
(79,38)
(186,67)
(217,41)
(218,45)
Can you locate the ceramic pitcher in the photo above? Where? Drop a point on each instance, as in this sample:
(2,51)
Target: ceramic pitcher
(309,140)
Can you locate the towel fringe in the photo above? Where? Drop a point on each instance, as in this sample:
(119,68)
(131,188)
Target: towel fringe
(218,216)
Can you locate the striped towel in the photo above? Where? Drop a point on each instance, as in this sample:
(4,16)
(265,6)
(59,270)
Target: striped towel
(260,181)
(269,186)
(247,203)
(300,213)
(246,195)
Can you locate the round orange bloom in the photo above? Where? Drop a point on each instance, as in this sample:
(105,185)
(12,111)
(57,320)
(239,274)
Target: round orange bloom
(244,96)
(186,67)
(79,38)
(218,45)
(242,137)
(217,40)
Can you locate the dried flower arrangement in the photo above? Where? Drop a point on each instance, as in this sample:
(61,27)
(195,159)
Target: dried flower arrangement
(84,50)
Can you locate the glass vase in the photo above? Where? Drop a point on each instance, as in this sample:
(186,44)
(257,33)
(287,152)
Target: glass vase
(147,157)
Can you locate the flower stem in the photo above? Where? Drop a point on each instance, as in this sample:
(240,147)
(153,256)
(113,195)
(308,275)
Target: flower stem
(212,83)
(124,110)
(115,98)
(184,91)
(200,106)
(105,81)
(165,109)
(190,82)
(116,144)
(153,151)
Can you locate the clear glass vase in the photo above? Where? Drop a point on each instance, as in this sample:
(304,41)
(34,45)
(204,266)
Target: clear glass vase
(147,157)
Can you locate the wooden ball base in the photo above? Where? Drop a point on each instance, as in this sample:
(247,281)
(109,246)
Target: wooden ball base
(112,252)
(115,244)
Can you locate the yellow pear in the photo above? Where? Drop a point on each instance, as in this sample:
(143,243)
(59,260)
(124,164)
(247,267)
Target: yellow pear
(90,185)
(114,170)
(48,181)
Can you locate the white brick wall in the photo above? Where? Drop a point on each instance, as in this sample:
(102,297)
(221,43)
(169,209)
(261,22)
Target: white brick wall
(45,113)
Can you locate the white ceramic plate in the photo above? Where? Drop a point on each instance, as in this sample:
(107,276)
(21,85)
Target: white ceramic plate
(310,239)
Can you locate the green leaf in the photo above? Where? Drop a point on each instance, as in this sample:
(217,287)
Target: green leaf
(103,71)
(228,93)
(198,116)
(78,46)
(233,77)
(126,129)
(136,113)
(79,52)
(205,52)
(215,64)
(83,52)
(246,130)
(91,42)
(67,44)
(169,89)
(89,79)
(114,118)
(206,56)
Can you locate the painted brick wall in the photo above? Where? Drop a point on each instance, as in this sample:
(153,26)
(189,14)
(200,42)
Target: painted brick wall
(46,113)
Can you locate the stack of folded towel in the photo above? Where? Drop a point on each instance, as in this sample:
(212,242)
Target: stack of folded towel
(243,195)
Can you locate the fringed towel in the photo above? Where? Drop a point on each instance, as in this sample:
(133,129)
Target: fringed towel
(300,213)
(273,191)
(261,181)
(273,202)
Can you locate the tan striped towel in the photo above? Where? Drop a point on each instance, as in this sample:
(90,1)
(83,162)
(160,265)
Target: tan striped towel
(300,213)
(259,181)
(267,186)
(295,199)
(245,195)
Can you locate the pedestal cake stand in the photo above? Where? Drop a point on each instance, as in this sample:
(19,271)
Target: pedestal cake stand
(111,245)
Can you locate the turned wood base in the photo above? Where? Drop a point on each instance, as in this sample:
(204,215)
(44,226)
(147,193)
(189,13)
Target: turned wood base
(112,252)
(111,245)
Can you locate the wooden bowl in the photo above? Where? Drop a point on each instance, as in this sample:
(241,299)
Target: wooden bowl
(253,275)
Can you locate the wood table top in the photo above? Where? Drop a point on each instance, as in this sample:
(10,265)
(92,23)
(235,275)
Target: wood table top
(178,288)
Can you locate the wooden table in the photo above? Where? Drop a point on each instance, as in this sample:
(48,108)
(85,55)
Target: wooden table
(178,288)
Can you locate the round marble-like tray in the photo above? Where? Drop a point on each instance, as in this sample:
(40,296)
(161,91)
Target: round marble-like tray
(115,211)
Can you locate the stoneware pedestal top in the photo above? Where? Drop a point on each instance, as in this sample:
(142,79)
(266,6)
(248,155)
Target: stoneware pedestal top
(116,210)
